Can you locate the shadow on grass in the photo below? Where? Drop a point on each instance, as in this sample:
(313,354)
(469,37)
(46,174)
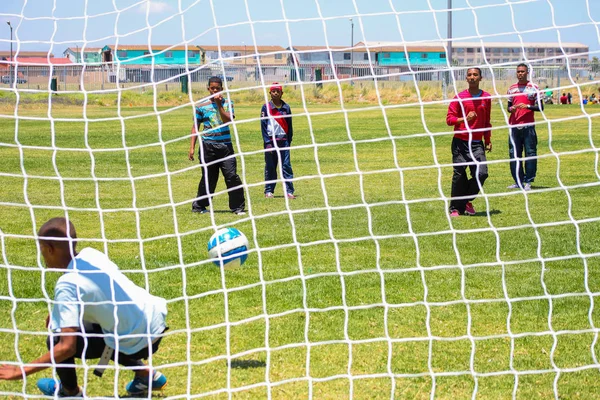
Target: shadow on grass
(245,364)
(486,213)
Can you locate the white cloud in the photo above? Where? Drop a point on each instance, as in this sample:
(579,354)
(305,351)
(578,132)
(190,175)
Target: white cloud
(153,7)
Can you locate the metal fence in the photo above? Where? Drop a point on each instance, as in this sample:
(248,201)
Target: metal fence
(101,78)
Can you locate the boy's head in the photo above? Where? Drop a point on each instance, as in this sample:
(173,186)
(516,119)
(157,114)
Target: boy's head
(57,252)
(276,91)
(474,75)
(215,85)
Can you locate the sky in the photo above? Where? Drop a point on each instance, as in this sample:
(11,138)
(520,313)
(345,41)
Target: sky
(57,24)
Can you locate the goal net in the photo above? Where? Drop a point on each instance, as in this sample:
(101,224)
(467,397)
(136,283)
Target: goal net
(361,284)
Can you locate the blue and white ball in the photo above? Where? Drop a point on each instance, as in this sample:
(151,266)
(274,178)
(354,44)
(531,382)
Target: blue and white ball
(228,247)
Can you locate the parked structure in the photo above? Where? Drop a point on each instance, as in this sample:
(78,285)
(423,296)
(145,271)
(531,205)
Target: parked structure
(244,54)
(91,55)
(128,54)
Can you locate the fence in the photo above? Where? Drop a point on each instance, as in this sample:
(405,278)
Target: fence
(102,78)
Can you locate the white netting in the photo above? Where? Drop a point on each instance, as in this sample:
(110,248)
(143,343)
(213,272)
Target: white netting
(363,286)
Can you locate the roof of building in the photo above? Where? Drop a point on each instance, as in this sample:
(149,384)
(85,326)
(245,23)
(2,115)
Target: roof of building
(38,61)
(146,47)
(317,48)
(85,49)
(25,54)
(249,49)
(441,43)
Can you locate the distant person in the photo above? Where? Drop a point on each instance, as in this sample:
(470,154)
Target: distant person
(593,98)
(569,98)
(96,309)
(471,127)
(523,101)
(277,133)
(585,99)
(564,99)
(215,151)
(548,96)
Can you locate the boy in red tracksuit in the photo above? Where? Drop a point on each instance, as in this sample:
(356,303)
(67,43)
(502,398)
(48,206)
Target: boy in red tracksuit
(277,132)
(469,113)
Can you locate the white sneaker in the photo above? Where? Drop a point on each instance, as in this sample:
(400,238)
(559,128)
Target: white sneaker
(527,187)
(513,186)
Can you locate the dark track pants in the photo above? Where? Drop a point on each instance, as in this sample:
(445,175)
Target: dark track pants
(462,186)
(523,139)
(214,151)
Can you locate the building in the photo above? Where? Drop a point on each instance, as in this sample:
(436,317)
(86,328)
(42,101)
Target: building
(24,54)
(244,54)
(139,55)
(91,55)
(472,53)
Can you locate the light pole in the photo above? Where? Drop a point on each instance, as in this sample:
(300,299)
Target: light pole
(77,54)
(449,75)
(11,54)
(351,49)
(244,44)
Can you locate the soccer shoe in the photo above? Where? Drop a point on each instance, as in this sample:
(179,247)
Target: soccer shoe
(454,213)
(239,212)
(139,386)
(48,387)
(527,187)
(514,186)
(469,209)
(290,196)
(199,210)
(269,195)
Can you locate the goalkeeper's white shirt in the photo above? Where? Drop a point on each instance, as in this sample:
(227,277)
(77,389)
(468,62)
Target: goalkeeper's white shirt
(94,291)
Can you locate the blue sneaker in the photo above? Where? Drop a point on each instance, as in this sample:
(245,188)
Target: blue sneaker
(139,386)
(48,387)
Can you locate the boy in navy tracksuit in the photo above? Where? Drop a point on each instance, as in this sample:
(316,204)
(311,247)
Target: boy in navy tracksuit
(277,131)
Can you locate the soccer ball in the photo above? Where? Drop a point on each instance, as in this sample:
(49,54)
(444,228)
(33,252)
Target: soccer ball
(228,247)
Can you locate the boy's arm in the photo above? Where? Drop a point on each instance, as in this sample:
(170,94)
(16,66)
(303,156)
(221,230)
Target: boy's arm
(264,123)
(290,127)
(64,349)
(487,135)
(193,140)
(224,111)
(454,110)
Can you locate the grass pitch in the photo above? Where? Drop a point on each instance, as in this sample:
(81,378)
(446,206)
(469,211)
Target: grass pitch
(361,287)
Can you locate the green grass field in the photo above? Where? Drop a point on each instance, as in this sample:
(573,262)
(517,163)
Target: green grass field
(361,287)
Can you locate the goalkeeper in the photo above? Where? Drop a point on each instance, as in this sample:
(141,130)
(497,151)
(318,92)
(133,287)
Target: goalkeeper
(469,113)
(96,309)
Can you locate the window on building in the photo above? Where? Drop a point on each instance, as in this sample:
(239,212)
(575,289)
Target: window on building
(470,50)
(460,50)
(505,60)
(424,55)
(366,56)
(168,54)
(347,56)
(236,54)
(193,54)
(469,61)
(278,56)
(443,55)
(146,53)
(479,49)
(122,54)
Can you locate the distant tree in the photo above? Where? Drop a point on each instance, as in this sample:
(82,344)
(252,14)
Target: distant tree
(595,64)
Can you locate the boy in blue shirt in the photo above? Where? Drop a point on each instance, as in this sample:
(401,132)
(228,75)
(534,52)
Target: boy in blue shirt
(277,131)
(216,151)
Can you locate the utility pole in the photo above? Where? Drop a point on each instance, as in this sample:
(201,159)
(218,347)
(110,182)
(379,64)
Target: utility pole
(11,54)
(351,50)
(449,37)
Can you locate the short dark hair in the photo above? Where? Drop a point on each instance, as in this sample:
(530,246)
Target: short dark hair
(477,68)
(57,228)
(523,65)
(215,79)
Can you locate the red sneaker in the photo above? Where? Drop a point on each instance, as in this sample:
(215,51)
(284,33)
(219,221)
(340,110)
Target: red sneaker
(290,196)
(454,213)
(469,210)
